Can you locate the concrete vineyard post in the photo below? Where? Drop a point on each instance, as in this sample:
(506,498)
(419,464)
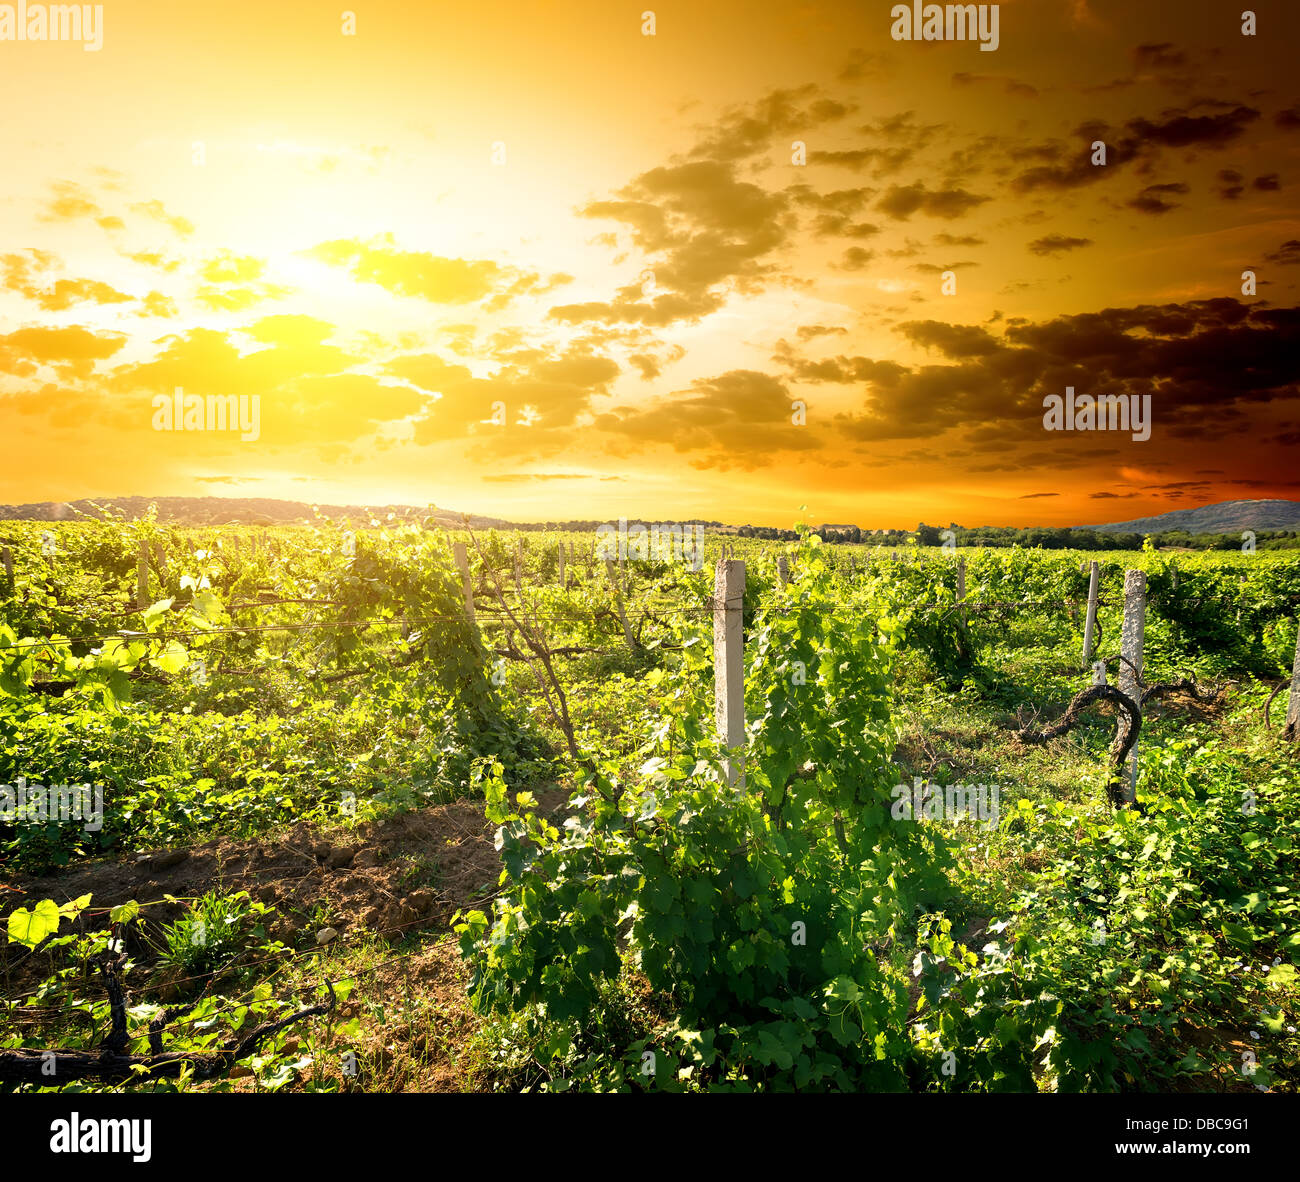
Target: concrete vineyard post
(1291,732)
(1090,623)
(615,571)
(782,570)
(561,564)
(961,585)
(1130,647)
(729,662)
(462,562)
(142,577)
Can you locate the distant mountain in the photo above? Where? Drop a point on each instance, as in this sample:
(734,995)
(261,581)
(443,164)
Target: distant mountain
(228,510)
(1227,517)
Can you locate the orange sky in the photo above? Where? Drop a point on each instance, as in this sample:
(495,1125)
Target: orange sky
(536,213)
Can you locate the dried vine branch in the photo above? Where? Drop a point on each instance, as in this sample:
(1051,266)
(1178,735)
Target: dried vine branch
(111,1063)
(1125,735)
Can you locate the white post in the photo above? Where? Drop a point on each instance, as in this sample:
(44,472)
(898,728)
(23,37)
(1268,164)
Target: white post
(142,577)
(462,561)
(1130,647)
(782,570)
(1291,732)
(1090,623)
(561,564)
(729,662)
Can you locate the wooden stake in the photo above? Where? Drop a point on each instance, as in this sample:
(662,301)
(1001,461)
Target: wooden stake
(729,662)
(1130,647)
(1090,623)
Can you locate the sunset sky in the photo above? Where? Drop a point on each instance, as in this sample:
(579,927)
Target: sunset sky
(382,234)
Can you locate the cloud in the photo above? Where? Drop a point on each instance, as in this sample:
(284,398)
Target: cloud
(69,203)
(1008,84)
(1231,184)
(808,332)
(228,267)
(1141,139)
(1151,199)
(157,211)
(835,211)
(547,389)
(746,131)
(1054,244)
(1200,361)
(856,258)
(1181,129)
(741,418)
(27,274)
(1288,254)
(901,201)
(1162,56)
(953,340)
(72,352)
(702,231)
(434,278)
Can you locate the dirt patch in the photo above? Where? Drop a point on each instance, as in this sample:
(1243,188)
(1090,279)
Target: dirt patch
(388,878)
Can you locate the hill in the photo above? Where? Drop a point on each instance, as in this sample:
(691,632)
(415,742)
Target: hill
(1224,518)
(228,510)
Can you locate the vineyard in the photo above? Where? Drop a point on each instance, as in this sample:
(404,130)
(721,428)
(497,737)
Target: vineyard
(384,807)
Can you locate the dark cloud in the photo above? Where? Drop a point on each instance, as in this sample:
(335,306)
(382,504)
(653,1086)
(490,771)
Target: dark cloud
(1231,184)
(1140,139)
(1288,117)
(1152,199)
(807,332)
(747,131)
(1054,244)
(856,258)
(1008,85)
(1201,362)
(741,418)
(700,228)
(1162,56)
(902,201)
(1288,254)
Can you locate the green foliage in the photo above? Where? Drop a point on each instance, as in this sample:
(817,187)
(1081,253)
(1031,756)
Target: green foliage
(1142,954)
(761,914)
(214,931)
